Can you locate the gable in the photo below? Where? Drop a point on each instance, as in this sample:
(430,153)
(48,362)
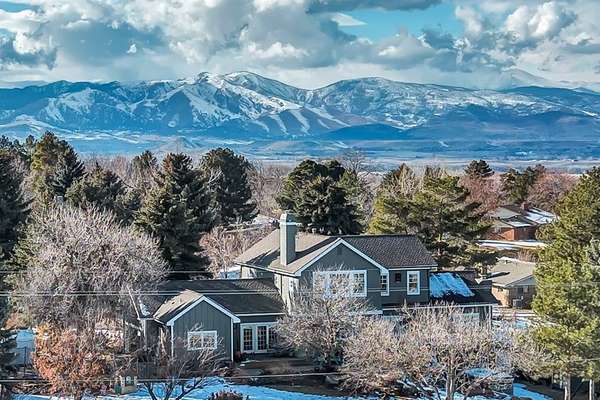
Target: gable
(203,303)
(341,255)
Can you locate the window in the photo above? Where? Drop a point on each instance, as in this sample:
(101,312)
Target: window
(398,277)
(198,340)
(345,283)
(248,339)
(413,283)
(385,288)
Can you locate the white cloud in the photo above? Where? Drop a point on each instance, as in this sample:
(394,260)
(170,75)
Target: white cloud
(96,39)
(346,20)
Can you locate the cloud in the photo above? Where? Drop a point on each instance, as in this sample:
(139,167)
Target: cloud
(25,50)
(529,25)
(107,39)
(316,6)
(346,20)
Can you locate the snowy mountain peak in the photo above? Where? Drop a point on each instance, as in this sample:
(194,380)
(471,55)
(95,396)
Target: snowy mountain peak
(244,104)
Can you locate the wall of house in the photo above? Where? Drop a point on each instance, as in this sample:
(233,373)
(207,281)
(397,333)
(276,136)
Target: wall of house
(342,258)
(507,295)
(205,317)
(398,288)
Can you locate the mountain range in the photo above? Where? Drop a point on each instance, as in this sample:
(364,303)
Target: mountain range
(248,108)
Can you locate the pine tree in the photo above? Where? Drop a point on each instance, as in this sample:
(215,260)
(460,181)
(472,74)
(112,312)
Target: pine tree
(478,170)
(145,166)
(393,202)
(99,187)
(178,212)
(13,207)
(44,160)
(516,185)
(329,211)
(568,282)
(322,197)
(230,185)
(68,170)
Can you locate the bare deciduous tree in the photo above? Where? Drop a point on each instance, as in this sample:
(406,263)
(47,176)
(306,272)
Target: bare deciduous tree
(437,350)
(266,181)
(73,362)
(222,246)
(485,191)
(172,374)
(549,189)
(321,319)
(81,265)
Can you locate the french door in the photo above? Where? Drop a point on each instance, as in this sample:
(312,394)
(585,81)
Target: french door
(257,338)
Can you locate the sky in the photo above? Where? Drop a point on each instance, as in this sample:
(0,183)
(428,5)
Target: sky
(307,43)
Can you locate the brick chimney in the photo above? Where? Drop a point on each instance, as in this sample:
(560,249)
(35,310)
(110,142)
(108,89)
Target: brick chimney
(287,237)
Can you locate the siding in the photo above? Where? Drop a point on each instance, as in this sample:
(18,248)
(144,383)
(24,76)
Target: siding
(398,290)
(342,258)
(205,317)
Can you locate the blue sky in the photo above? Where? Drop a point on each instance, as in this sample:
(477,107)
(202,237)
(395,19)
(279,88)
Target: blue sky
(308,43)
(380,23)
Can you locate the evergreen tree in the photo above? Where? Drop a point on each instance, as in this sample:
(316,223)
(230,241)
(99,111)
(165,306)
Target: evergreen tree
(44,160)
(15,148)
(327,209)
(68,170)
(568,282)
(516,185)
(448,224)
(100,188)
(13,207)
(393,202)
(323,198)
(230,185)
(478,170)
(178,212)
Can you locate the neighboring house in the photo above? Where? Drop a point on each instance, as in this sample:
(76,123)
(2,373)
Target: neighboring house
(237,316)
(517,223)
(513,283)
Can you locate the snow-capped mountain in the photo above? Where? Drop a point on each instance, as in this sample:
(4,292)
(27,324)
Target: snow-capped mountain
(246,105)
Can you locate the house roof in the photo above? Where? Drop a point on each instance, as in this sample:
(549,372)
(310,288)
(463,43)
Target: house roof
(390,251)
(515,216)
(512,272)
(239,296)
(452,287)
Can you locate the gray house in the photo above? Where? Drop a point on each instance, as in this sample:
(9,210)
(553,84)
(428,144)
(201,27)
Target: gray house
(237,316)
(390,271)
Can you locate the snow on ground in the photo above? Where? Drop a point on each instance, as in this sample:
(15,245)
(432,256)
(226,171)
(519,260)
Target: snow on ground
(264,393)
(520,390)
(254,392)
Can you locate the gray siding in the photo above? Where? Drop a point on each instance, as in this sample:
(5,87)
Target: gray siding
(342,258)
(261,318)
(205,317)
(398,290)
(251,273)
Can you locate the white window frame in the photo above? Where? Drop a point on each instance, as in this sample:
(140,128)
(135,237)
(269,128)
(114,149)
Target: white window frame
(325,277)
(409,275)
(202,335)
(386,291)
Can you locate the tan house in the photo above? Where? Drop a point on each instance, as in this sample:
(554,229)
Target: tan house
(513,283)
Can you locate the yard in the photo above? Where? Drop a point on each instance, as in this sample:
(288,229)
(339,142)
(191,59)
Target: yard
(266,393)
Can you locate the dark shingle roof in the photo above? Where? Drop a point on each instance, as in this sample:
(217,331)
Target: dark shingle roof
(240,296)
(393,251)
